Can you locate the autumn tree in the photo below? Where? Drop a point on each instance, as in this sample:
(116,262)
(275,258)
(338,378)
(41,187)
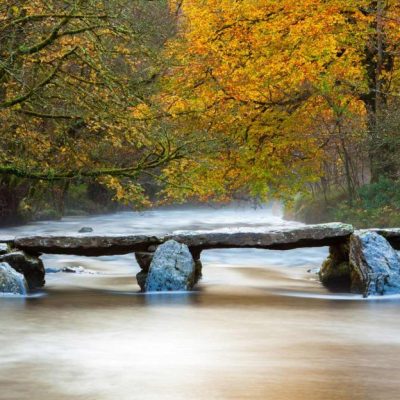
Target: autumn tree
(258,75)
(211,99)
(73,78)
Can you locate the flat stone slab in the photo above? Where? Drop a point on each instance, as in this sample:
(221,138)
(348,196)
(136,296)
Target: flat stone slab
(263,238)
(392,235)
(268,238)
(86,245)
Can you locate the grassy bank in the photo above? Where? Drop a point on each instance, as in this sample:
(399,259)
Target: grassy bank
(373,205)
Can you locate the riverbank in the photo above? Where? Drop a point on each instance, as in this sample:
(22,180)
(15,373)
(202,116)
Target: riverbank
(23,203)
(374,205)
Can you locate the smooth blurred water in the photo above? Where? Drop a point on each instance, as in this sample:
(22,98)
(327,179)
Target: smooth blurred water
(259,326)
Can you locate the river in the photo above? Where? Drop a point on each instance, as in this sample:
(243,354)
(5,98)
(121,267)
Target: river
(259,325)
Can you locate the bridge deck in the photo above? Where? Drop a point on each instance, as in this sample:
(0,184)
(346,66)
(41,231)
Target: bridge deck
(269,238)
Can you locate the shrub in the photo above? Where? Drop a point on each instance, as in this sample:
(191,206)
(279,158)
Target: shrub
(377,205)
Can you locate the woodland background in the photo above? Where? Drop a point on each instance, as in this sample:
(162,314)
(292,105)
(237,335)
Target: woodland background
(107,104)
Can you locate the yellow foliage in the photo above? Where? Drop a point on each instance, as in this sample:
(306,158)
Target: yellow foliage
(260,77)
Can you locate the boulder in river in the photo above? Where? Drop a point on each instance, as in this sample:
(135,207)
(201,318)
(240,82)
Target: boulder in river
(374,264)
(172,269)
(11,281)
(30,266)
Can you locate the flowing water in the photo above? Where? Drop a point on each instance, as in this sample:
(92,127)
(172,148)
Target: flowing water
(259,325)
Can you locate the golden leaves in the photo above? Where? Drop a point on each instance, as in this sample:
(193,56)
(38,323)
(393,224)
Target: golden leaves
(264,72)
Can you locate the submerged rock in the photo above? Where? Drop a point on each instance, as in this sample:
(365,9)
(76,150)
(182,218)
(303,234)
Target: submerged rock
(73,270)
(11,281)
(85,229)
(52,270)
(172,269)
(375,265)
(77,270)
(30,266)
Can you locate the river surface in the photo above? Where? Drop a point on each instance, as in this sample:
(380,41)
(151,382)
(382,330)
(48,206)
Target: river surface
(259,325)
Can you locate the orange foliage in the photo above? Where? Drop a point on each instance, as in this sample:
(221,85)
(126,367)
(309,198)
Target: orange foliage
(257,76)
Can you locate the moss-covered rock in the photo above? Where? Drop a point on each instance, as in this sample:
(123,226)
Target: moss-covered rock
(335,269)
(31,267)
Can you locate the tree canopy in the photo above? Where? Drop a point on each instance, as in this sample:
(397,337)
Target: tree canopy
(208,98)
(71,76)
(279,81)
